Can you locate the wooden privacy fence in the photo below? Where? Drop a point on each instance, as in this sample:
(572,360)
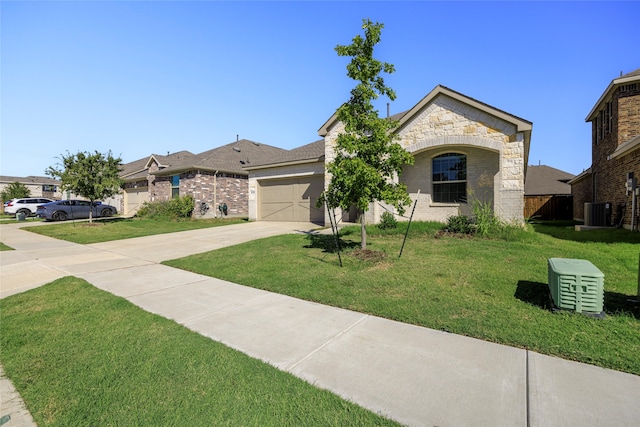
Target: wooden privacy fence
(548,207)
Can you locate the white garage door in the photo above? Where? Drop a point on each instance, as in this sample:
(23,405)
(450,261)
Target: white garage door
(134,198)
(292,199)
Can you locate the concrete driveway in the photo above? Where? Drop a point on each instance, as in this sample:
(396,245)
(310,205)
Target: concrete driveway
(39,259)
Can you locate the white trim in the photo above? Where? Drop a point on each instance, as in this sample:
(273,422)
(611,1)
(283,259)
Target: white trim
(605,95)
(625,148)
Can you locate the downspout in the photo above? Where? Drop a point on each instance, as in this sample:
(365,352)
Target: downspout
(633,209)
(215,193)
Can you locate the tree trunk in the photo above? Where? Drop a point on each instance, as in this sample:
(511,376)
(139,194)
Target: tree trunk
(363,231)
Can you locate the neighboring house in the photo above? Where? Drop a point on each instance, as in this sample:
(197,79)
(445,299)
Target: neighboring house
(461,146)
(214,177)
(615,155)
(547,194)
(39,186)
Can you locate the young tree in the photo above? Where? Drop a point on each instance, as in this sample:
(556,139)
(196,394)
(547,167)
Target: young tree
(94,176)
(367,160)
(15,190)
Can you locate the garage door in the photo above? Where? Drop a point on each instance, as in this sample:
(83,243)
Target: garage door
(134,198)
(292,199)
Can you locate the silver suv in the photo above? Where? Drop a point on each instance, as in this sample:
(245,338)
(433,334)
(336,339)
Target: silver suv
(26,205)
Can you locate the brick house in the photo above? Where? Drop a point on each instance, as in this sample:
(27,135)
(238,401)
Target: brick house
(214,177)
(461,146)
(615,152)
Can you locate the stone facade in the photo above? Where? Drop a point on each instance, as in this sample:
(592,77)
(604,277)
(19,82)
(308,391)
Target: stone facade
(494,148)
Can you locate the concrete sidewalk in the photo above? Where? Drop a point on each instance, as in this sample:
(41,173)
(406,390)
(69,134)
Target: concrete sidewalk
(414,375)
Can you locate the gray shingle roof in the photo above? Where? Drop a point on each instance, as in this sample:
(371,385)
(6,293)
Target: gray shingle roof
(232,158)
(33,180)
(138,169)
(631,74)
(545,180)
(312,151)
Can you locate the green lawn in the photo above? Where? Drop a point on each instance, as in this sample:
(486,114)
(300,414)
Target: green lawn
(492,289)
(124,228)
(83,357)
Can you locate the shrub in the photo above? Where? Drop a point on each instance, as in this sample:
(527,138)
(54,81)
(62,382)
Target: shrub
(182,207)
(178,208)
(459,224)
(387,221)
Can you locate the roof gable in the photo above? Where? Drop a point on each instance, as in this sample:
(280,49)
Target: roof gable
(402,118)
(138,168)
(628,78)
(521,125)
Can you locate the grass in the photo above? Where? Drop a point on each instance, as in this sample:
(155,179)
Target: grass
(492,289)
(124,228)
(11,219)
(81,356)
(4,247)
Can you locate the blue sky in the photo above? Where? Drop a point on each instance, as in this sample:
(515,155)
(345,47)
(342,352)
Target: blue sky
(143,77)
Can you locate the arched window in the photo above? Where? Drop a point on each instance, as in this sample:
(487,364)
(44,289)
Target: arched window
(450,178)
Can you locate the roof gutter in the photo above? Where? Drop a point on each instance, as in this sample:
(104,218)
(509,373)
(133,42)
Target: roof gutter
(290,163)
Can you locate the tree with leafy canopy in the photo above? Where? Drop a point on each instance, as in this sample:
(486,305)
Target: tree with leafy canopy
(94,176)
(367,161)
(15,190)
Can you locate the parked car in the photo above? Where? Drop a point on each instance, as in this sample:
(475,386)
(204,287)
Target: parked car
(74,209)
(25,205)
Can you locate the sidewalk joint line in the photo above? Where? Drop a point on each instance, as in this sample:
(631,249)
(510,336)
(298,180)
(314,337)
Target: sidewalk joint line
(329,341)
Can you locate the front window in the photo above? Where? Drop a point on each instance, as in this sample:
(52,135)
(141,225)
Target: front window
(175,186)
(450,178)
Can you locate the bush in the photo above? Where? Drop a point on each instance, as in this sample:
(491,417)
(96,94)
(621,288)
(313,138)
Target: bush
(178,208)
(459,224)
(387,221)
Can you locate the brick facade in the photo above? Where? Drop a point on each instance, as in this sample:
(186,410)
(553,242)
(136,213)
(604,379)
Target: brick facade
(616,122)
(581,190)
(213,189)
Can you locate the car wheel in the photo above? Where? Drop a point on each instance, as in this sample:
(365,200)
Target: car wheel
(26,212)
(59,216)
(105,212)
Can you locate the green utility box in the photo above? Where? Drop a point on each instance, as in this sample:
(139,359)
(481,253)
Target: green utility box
(576,284)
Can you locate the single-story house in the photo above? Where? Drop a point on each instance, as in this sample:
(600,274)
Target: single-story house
(462,147)
(39,186)
(214,177)
(547,194)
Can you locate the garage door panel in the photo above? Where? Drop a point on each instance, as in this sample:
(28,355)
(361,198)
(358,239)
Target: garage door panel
(291,199)
(277,192)
(282,211)
(134,199)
